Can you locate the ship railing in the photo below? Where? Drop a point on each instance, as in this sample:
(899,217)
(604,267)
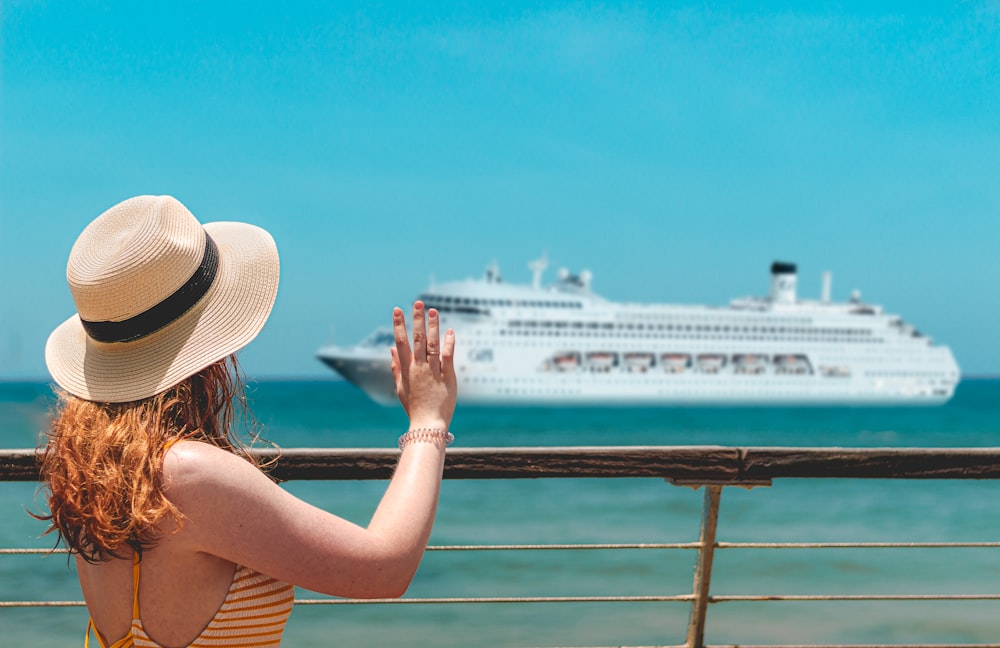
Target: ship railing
(711,468)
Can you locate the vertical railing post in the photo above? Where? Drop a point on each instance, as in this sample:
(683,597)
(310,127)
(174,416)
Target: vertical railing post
(703,570)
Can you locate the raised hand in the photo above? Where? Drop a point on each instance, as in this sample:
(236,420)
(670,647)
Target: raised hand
(425,373)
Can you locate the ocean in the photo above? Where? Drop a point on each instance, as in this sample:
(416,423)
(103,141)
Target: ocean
(544,511)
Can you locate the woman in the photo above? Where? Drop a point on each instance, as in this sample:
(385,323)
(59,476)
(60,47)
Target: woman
(179,538)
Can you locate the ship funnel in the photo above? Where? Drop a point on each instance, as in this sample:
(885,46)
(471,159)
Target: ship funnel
(827,282)
(783,281)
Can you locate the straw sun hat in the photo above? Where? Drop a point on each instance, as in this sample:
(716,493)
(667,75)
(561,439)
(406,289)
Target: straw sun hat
(159,298)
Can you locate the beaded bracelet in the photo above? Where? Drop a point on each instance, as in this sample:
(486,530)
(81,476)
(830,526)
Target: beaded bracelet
(430,435)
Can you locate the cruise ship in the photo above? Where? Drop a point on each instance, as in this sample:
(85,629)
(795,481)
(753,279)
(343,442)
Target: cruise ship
(562,344)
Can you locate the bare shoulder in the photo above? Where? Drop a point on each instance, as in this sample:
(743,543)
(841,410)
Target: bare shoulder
(192,469)
(199,460)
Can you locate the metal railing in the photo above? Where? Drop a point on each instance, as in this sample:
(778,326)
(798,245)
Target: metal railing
(710,467)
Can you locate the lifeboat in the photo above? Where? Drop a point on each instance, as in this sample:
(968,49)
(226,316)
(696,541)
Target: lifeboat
(569,361)
(675,362)
(711,362)
(638,361)
(749,363)
(602,360)
(792,364)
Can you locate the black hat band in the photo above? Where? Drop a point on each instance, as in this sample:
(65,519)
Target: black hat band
(167,311)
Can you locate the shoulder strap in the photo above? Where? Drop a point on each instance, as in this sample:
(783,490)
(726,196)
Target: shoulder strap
(92,628)
(135,586)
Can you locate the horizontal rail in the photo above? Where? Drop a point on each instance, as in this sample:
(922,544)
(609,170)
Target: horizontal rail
(652,545)
(680,464)
(659,598)
(682,598)
(36,604)
(852,597)
(909,645)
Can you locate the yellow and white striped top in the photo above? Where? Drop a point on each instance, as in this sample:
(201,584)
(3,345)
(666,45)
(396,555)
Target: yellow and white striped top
(253,614)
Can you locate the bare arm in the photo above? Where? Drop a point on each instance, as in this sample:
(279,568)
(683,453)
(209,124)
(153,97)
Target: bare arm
(233,511)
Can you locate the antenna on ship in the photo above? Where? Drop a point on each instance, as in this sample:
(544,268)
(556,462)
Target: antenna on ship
(537,267)
(493,273)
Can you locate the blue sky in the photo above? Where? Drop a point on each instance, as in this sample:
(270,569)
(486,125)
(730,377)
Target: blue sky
(673,149)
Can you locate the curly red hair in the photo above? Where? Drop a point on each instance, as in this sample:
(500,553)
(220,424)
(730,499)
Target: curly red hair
(103,461)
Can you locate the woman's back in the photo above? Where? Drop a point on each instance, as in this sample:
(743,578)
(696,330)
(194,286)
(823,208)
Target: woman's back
(184,593)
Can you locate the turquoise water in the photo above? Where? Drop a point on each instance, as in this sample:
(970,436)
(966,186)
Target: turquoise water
(296,414)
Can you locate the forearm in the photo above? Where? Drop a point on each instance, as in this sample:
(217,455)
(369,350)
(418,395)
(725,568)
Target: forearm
(403,520)
(427,389)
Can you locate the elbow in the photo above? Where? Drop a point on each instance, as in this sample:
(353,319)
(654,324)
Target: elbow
(390,583)
(385,571)
(397,590)
(390,574)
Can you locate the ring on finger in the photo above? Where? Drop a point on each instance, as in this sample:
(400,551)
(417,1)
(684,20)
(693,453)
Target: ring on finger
(433,353)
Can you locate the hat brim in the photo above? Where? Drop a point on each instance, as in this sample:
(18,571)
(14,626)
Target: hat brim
(226,319)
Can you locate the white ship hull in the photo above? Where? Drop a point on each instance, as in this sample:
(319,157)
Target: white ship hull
(565,346)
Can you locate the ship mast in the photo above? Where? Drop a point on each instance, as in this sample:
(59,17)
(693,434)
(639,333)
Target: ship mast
(537,267)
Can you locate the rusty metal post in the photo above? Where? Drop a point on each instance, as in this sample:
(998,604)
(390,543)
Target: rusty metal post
(703,570)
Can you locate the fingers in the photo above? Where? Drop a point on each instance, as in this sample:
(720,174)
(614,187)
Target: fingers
(396,370)
(448,356)
(433,337)
(402,387)
(419,332)
(424,373)
(402,341)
